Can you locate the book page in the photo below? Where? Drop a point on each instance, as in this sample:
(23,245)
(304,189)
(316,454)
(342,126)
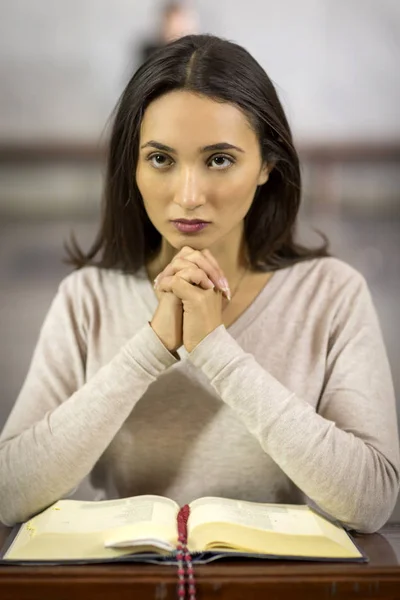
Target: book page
(291,519)
(70,523)
(75,516)
(278,529)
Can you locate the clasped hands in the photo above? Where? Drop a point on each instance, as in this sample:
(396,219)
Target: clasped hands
(191,291)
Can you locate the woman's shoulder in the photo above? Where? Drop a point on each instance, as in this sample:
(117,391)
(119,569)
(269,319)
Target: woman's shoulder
(328,273)
(94,293)
(325,284)
(94,282)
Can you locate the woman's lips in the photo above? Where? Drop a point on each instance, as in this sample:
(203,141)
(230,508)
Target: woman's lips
(187,227)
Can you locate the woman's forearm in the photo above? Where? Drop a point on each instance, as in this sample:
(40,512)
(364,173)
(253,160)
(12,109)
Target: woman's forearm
(45,461)
(354,478)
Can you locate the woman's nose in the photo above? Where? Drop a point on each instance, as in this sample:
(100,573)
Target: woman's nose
(189,191)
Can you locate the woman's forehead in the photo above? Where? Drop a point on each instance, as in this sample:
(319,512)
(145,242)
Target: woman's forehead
(199,120)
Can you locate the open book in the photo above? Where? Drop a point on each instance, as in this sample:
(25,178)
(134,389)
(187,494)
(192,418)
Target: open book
(109,530)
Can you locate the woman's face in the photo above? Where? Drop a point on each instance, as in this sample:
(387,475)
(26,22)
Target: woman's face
(198,160)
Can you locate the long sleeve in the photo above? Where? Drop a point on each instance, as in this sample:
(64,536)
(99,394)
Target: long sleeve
(344,455)
(61,423)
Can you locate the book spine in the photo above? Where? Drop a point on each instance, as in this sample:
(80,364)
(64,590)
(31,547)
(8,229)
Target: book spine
(186,580)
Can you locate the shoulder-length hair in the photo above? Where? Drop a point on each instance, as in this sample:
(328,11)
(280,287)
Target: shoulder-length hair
(224,72)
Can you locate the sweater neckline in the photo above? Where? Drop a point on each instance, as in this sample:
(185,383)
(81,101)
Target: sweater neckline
(259,303)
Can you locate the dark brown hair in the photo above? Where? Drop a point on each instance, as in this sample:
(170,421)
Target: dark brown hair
(225,72)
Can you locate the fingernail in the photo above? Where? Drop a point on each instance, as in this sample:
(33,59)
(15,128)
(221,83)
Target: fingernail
(155,282)
(227,293)
(224,286)
(223,282)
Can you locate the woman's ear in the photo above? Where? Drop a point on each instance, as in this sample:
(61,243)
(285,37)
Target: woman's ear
(264,173)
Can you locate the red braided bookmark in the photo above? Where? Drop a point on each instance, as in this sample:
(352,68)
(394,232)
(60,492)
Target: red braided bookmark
(184,558)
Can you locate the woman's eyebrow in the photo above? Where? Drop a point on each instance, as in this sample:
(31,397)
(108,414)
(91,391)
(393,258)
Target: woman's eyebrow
(212,147)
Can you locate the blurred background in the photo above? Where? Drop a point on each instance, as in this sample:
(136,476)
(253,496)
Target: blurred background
(63,65)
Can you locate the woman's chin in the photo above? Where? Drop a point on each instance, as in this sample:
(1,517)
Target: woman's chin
(197,242)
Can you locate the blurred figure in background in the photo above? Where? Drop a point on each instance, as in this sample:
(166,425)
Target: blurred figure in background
(176,20)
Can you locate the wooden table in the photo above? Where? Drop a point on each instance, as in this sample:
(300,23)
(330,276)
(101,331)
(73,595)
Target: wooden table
(269,580)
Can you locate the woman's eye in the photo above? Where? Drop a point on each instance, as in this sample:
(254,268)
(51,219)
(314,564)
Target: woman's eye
(221,162)
(159,161)
(162,161)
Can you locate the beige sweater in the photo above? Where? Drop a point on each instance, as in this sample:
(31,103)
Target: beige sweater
(293,403)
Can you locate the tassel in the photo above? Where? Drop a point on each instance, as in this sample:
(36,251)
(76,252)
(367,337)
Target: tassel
(184,559)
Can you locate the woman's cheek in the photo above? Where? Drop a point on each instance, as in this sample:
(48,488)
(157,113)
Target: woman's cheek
(236,199)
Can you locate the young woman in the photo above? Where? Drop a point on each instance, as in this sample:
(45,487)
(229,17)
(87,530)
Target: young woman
(253,369)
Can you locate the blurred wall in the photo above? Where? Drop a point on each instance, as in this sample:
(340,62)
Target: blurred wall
(335,62)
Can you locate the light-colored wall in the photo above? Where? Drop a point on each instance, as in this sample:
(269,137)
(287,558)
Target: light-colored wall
(335,62)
